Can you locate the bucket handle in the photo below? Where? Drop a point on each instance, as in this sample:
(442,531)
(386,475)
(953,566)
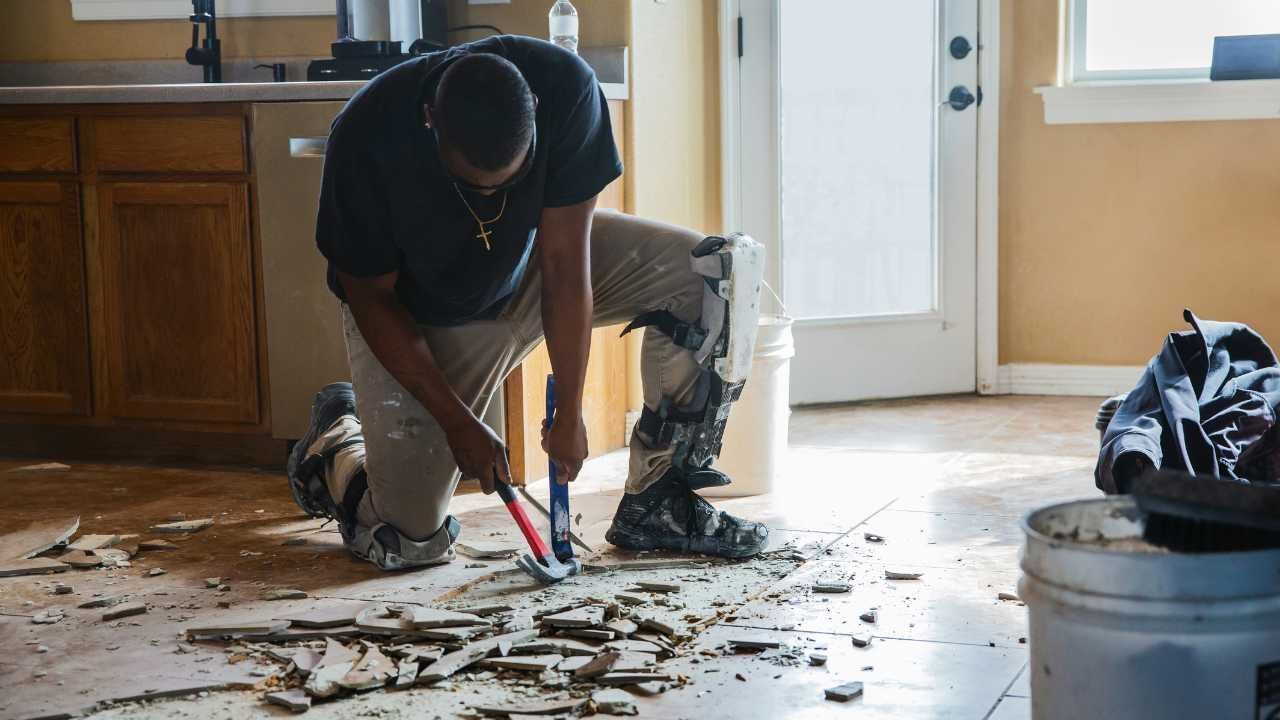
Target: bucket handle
(775,297)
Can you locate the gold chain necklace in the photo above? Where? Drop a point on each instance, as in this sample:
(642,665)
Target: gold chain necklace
(484,232)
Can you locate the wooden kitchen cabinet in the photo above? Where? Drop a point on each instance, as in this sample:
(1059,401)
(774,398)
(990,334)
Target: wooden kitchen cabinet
(43,335)
(178,310)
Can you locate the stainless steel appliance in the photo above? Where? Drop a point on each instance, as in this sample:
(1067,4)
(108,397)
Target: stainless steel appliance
(374,35)
(305,345)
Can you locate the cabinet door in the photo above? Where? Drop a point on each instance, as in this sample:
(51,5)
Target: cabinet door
(43,340)
(178,296)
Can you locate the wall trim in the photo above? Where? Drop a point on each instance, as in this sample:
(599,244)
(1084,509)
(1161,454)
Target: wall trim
(1081,380)
(987,287)
(181,9)
(1160,101)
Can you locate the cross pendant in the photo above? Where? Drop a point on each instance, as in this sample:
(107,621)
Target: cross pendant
(484,235)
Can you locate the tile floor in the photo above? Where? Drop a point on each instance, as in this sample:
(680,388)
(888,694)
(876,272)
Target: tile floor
(944,480)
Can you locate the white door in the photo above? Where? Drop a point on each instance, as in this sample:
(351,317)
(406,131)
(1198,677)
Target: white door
(848,158)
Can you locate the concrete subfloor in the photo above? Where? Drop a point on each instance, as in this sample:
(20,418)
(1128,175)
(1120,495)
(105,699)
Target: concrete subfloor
(944,480)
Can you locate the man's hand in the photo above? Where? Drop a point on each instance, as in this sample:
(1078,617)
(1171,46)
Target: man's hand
(565,442)
(479,453)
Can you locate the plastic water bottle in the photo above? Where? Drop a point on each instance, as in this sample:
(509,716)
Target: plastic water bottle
(563,20)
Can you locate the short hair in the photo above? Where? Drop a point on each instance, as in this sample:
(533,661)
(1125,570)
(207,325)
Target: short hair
(484,108)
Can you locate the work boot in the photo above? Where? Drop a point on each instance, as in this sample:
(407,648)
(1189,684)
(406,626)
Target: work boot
(306,466)
(669,515)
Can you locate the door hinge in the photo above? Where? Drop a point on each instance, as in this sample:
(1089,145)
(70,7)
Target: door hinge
(739,37)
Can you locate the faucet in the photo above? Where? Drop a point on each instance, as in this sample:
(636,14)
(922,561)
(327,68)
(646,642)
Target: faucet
(207,54)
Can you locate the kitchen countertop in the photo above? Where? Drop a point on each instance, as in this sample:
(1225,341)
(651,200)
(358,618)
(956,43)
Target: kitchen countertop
(164,82)
(202,92)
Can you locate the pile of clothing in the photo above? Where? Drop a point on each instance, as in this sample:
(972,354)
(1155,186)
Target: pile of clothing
(1205,405)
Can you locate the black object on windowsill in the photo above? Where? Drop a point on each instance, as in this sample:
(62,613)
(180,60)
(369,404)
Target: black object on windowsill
(278,71)
(1245,57)
(207,53)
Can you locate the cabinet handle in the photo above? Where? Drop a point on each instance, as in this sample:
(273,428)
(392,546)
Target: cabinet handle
(308,146)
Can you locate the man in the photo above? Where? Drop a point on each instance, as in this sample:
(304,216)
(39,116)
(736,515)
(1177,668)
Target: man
(458,216)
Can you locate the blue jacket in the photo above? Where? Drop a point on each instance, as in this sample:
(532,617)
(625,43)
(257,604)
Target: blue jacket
(1206,405)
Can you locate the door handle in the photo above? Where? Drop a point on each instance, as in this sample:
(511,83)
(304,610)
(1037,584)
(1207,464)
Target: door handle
(960,98)
(308,146)
(960,47)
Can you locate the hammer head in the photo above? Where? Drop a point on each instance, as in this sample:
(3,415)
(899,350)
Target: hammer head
(548,570)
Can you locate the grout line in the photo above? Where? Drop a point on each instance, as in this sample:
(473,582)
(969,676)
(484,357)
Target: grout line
(950,512)
(1004,693)
(804,631)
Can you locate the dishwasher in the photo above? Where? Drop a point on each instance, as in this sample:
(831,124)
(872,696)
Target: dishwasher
(306,349)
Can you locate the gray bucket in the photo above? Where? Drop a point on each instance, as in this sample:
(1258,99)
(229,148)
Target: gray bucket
(1122,629)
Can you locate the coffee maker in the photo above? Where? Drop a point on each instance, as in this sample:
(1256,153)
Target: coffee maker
(374,35)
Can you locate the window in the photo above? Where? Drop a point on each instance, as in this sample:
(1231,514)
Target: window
(175,9)
(1117,40)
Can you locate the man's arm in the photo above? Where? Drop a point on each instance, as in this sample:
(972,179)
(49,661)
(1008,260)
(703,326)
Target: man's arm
(564,255)
(396,342)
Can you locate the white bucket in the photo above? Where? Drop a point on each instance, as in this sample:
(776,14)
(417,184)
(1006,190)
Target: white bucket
(755,439)
(1120,629)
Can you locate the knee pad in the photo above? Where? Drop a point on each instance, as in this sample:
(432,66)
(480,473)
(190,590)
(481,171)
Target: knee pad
(389,549)
(722,341)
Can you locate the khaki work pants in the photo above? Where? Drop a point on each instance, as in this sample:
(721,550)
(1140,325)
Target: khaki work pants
(637,265)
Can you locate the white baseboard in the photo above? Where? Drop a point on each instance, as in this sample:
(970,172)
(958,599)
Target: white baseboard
(1051,379)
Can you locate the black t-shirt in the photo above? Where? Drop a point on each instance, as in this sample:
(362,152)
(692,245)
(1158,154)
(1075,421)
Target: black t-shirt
(386,204)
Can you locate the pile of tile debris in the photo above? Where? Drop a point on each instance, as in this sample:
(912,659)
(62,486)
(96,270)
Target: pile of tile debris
(46,547)
(588,656)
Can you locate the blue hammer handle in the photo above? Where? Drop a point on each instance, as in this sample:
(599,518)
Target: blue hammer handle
(559,505)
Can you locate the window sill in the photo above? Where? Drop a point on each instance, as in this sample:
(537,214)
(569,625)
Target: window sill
(1160,101)
(180,9)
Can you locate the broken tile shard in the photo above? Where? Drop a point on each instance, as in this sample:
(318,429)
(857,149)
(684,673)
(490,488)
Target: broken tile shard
(597,666)
(566,706)
(296,700)
(481,550)
(101,602)
(323,617)
(93,542)
(156,544)
(1008,596)
(614,702)
(868,616)
(123,611)
(183,526)
(235,628)
(894,575)
(817,659)
(845,692)
(527,663)
(34,566)
(660,587)
(425,617)
(861,641)
(872,538)
(754,643)
(831,586)
(284,594)
(469,655)
(584,617)
(372,670)
(36,538)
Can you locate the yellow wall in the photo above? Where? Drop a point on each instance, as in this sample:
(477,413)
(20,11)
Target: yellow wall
(1108,231)
(37,30)
(673,143)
